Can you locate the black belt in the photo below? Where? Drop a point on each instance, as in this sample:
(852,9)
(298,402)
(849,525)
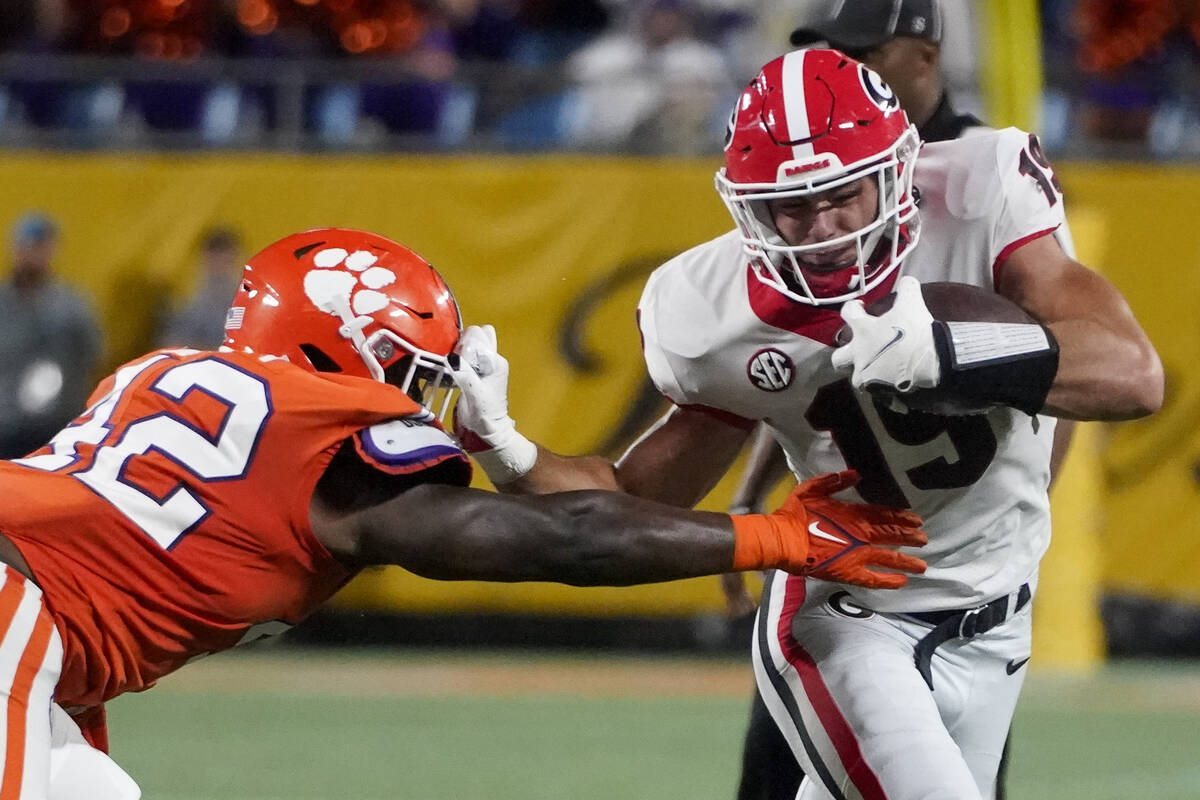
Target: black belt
(962,624)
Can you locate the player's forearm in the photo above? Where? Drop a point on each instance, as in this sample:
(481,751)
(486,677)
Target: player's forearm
(611,539)
(557,473)
(1105,372)
(584,538)
(598,538)
(1107,368)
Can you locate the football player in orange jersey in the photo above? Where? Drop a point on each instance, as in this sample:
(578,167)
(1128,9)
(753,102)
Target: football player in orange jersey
(205,499)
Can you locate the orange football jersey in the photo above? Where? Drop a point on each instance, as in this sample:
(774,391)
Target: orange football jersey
(170,520)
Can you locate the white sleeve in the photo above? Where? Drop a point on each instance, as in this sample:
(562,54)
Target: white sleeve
(658,364)
(1032,198)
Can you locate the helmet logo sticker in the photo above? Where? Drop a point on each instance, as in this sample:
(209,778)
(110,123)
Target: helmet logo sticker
(880,93)
(335,283)
(771,370)
(234,317)
(841,603)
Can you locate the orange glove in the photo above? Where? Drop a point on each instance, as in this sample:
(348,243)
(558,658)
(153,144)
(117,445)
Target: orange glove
(813,534)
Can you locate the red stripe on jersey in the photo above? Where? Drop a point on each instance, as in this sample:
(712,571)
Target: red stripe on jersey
(18,698)
(819,323)
(1001,259)
(835,725)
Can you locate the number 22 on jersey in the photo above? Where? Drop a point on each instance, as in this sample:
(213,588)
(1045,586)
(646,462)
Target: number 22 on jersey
(223,455)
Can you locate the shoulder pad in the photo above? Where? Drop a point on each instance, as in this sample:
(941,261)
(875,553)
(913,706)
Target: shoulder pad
(404,446)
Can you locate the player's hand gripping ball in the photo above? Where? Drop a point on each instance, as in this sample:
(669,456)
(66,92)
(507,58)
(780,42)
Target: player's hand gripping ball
(940,300)
(893,351)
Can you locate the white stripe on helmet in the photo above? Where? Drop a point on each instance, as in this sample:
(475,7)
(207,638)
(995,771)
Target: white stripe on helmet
(794,104)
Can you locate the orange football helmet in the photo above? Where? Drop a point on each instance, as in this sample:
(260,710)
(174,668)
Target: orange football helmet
(352,302)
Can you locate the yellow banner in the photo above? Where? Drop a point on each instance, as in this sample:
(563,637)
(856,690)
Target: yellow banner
(553,250)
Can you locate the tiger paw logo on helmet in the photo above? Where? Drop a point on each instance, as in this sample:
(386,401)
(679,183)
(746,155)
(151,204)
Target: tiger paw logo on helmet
(350,302)
(347,277)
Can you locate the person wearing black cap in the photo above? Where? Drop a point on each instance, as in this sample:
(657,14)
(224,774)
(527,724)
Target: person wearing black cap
(901,40)
(49,341)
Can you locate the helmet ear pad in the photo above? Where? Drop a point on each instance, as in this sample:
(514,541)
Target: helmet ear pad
(318,359)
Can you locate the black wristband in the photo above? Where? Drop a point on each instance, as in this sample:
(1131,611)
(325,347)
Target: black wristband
(996,363)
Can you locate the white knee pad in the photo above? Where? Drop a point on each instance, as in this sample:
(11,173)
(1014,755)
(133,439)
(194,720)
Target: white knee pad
(79,771)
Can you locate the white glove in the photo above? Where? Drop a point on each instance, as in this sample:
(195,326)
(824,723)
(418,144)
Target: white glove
(481,419)
(894,350)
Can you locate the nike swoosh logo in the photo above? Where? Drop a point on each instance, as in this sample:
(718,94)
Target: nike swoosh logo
(1015,665)
(899,335)
(815,530)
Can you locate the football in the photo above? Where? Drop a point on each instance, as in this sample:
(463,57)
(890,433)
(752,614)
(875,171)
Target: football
(953,302)
(948,302)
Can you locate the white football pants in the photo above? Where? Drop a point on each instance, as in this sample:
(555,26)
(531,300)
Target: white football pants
(45,756)
(841,684)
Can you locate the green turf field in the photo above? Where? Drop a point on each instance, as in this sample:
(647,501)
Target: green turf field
(284,724)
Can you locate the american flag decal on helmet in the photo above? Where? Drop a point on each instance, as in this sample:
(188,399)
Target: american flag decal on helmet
(233,318)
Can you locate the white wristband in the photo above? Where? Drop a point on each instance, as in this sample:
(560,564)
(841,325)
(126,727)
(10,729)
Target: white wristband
(508,460)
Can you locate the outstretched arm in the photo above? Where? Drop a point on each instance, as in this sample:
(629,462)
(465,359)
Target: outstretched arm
(591,538)
(584,538)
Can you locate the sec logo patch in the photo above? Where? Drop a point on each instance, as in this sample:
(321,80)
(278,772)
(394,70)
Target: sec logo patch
(771,370)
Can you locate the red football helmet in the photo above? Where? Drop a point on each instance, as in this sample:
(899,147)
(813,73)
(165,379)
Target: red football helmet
(811,121)
(352,302)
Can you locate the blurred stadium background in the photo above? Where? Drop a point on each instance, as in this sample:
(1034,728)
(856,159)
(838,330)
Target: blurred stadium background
(545,164)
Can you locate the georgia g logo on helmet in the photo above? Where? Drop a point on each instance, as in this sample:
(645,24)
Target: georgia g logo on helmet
(880,93)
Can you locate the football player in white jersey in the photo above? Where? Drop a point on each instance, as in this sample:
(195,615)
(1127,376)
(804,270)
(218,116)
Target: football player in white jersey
(904,694)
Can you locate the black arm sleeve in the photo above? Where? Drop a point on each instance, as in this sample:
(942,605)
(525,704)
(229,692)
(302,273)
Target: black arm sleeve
(1020,380)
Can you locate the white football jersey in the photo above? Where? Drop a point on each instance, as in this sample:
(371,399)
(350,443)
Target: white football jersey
(715,336)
